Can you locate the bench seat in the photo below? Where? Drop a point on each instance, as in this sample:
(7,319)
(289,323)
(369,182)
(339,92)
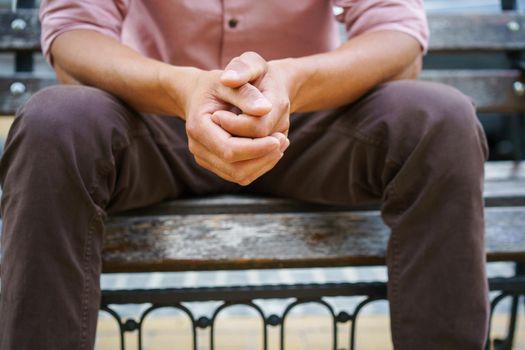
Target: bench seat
(232,232)
(245,241)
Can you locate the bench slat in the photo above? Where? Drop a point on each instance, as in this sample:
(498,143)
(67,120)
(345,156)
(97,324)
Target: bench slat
(450,31)
(27,38)
(9,101)
(213,242)
(477,31)
(492,90)
(479,84)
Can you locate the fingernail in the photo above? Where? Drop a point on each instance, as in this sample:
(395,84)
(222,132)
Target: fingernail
(262,103)
(215,118)
(230,75)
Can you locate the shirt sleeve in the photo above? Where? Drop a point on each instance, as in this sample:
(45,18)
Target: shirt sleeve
(59,16)
(407,16)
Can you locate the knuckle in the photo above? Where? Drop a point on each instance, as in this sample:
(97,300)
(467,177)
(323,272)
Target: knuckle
(247,89)
(262,129)
(236,60)
(283,104)
(228,154)
(253,56)
(245,182)
(249,92)
(200,162)
(249,54)
(237,177)
(240,176)
(191,130)
(285,124)
(255,61)
(191,147)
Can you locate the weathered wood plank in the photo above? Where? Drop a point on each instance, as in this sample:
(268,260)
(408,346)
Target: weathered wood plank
(20,30)
(481,85)
(477,31)
(449,31)
(504,184)
(17,89)
(165,238)
(212,242)
(491,90)
(504,31)
(504,170)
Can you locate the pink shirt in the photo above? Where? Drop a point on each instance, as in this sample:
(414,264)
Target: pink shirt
(209,33)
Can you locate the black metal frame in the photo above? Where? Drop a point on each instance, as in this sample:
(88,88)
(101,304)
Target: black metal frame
(517,126)
(509,287)
(24,60)
(509,4)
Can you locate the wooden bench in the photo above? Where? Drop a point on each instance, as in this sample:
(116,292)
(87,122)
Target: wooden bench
(232,232)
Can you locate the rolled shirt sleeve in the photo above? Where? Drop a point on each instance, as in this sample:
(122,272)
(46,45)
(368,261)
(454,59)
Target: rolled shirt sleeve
(407,16)
(59,16)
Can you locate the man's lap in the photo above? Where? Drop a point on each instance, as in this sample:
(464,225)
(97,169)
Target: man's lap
(333,156)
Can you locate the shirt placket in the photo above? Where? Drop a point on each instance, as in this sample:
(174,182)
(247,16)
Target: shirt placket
(234,22)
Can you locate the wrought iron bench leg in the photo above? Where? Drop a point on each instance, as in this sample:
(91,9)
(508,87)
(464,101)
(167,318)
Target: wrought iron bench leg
(507,343)
(517,132)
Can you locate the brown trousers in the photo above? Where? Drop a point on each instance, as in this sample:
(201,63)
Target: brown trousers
(75,154)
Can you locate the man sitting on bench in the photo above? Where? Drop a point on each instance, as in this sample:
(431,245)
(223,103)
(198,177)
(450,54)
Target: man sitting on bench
(172,98)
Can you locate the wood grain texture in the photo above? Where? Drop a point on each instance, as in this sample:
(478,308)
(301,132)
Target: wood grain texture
(450,32)
(27,39)
(477,31)
(10,102)
(234,232)
(490,89)
(243,241)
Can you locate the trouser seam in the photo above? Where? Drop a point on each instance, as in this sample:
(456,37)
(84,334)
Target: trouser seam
(85,301)
(394,297)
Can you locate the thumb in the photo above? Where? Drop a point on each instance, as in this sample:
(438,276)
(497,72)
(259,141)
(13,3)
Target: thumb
(247,98)
(248,67)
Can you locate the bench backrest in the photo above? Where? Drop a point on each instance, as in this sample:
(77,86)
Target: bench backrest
(493,90)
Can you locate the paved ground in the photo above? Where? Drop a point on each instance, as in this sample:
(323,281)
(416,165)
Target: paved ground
(244,333)
(309,326)
(258,277)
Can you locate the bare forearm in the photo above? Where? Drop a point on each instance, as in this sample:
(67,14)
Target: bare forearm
(332,79)
(90,58)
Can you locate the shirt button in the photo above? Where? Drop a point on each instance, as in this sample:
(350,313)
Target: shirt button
(232,23)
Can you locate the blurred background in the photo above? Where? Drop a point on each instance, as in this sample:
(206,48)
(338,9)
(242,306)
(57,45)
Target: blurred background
(309,322)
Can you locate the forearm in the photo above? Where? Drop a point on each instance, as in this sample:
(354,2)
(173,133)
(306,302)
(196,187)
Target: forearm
(339,77)
(90,58)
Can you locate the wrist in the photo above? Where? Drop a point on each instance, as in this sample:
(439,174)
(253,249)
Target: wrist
(178,83)
(293,76)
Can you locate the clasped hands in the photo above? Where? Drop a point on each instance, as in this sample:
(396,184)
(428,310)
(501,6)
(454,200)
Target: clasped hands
(237,120)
